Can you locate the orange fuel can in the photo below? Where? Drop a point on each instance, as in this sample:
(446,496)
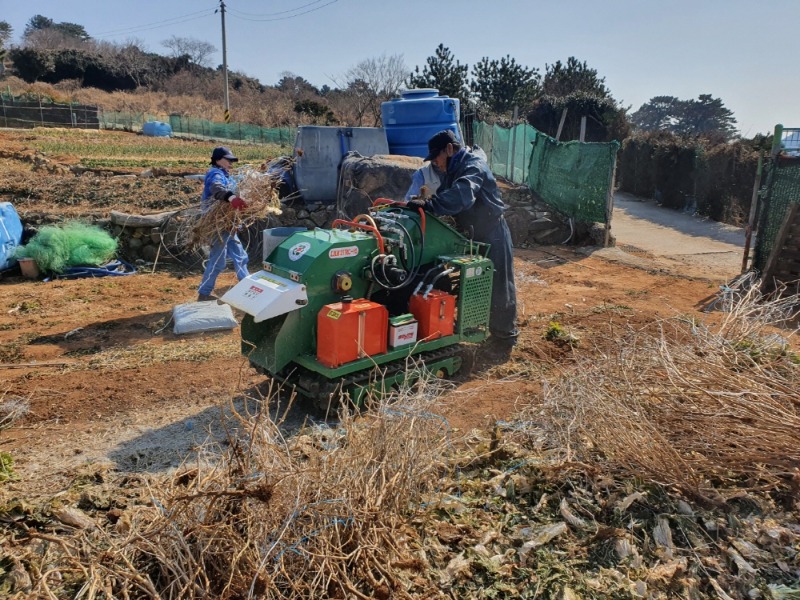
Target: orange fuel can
(435,314)
(350,330)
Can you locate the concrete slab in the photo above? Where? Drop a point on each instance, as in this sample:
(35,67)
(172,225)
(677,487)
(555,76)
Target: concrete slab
(679,242)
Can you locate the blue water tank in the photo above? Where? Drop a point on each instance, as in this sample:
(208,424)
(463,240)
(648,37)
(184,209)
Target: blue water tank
(157,129)
(411,120)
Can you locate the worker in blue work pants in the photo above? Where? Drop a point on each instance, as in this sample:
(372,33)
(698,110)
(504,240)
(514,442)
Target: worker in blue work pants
(219,186)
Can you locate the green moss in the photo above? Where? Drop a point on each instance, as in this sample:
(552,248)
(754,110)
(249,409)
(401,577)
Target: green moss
(7,467)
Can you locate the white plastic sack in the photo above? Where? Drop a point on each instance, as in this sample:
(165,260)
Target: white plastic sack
(202,316)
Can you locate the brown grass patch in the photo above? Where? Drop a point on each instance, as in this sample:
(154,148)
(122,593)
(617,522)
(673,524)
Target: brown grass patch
(688,405)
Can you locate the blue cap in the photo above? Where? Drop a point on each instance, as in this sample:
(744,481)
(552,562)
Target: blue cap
(222,152)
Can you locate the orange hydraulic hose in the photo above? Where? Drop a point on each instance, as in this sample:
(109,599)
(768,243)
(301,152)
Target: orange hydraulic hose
(422,220)
(384,202)
(367,218)
(355,225)
(388,202)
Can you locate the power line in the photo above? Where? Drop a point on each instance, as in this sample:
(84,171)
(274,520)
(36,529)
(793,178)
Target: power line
(233,14)
(163,23)
(282,12)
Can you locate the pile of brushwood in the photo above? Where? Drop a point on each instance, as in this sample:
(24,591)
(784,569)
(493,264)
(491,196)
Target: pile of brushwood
(260,192)
(667,469)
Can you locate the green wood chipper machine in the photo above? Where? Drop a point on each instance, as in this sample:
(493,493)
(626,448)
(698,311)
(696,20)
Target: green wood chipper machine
(349,310)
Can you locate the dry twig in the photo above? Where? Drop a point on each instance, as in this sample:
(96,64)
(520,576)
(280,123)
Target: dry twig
(689,406)
(317,515)
(258,189)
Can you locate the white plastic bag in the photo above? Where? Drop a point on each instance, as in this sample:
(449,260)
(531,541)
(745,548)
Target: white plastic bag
(202,316)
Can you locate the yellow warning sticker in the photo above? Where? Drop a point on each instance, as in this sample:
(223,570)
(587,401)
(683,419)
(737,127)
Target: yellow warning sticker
(334,314)
(270,282)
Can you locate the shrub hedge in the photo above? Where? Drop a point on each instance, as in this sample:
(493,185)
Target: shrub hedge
(715,179)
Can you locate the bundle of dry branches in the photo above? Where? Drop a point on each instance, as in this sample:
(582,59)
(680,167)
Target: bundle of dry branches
(258,188)
(320,514)
(691,406)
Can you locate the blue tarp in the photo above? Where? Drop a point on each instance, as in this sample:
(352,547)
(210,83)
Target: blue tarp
(10,235)
(114,269)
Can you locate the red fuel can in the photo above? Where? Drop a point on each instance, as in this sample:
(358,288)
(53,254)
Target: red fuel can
(435,314)
(347,331)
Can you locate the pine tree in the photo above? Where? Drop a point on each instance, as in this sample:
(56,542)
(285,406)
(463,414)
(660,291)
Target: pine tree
(660,113)
(575,76)
(499,85)
(706,116)
(444,73)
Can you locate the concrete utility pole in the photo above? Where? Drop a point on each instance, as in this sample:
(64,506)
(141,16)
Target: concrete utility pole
(227,115)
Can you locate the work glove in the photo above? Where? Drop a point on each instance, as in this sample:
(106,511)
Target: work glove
(416,202)
(237,203)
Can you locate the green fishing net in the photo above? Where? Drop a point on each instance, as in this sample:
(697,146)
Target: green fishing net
(58,247)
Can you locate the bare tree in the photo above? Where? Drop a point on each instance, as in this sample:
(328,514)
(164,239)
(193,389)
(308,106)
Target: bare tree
(5,32)
(198,51)
(42,33)
(52,39)
(351,103)
(372,82)
(132,59)
(5,35)
(296,86)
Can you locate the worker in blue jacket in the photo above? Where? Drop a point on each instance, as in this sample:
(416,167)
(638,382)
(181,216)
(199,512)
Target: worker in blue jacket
(469,192)
(219,186)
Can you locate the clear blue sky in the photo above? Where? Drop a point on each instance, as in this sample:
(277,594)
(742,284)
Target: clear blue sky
(741,51)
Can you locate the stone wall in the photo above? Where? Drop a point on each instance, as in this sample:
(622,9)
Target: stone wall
(531,221)
(163,236)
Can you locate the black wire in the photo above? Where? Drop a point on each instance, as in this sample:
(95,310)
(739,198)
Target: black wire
(284,18)
(385,283)
(385,276)
(415,267)
(272,14)
(434,269)
(416,222)
(155,25)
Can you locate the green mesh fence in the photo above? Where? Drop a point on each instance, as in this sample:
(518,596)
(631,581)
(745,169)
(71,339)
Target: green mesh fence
(574,177)
(33,110)
(782,189)
(202,129)
(509,150)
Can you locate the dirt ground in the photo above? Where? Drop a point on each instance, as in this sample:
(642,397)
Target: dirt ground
(110,399)
(110,386)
